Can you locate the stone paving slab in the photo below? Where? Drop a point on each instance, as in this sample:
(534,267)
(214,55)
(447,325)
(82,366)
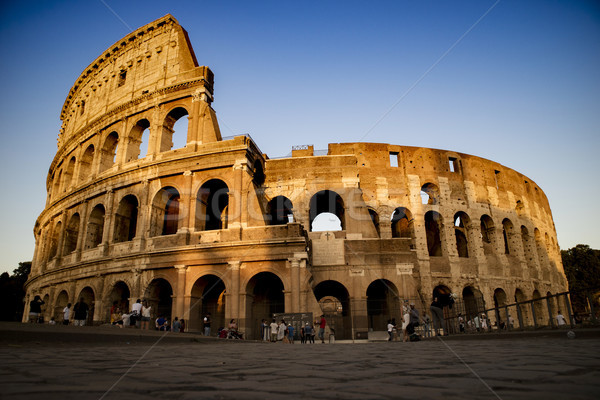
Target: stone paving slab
(524,367)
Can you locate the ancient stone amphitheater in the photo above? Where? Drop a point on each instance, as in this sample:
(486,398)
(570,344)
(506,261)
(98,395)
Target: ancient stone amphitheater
(216,225)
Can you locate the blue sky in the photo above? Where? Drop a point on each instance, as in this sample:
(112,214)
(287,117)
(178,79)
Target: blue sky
(521,88)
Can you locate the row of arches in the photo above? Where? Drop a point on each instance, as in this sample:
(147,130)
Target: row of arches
(140,140)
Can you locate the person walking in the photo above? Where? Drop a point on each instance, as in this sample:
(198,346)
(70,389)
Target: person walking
(81,311)
(322,324)
(66,314)
(207,323)
(290,330)
(437,314)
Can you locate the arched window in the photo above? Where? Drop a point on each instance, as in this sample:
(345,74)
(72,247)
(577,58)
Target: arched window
(279,211)
(461,227)
(174,130)
(85,166)
(402,223)
(211,206)
(488,234)
(527,246)
(126,219)
(54,240)
(433,228)
(326,212)
(137,135)
(507,231)
(165,212)
(69,174)
(56,188)
(109,151)
(71,234)
(95,227)
(430,194)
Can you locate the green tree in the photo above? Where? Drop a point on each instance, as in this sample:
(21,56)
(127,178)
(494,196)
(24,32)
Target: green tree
(582,268)
(12,294)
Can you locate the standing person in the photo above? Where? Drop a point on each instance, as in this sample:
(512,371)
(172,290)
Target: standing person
(302,335)
(176,325)
(290,329)
(207,322)
(427,323)
(390,330)
(35,309)
(281,330)
(274,329)
(145,312)
(182,328)
(136,313)
(461,323)
(264,330)
(414,319)
(477,322)
(310,333)
(560,319)
(322,324)
(66,314)
(80,310)
(405,322)
(437,314)
(484,323)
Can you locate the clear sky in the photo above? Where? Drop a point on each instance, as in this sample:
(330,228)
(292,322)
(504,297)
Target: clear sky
(521,87)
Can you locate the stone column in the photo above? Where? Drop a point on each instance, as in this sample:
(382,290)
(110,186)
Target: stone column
(179,303)
(235,207)
(191,201)
(107,233)
(295,285)
(61,235)
(234,291)
(83,220)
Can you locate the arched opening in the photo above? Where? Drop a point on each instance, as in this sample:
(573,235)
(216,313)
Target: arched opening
(54,240)
(61,302)
(85,164)
(56,187)
(507,231)
(137,146)
(126,219)
(326,212)
(402,223)
(211,206)
(523,308)
(165,212)
(541,250)
(528,251)
(473,300)
(552,304)
(430,194)
(266,297)
(499,298)
(87,294)
(541,317)
(159,296)
(433,228)
(487,234)
(461,226)
(279,211)
(334,299)
(119,296)
(95,227)
(174,130)
(383,303)
(69,174)
(208,296)
(375,220)
(109,151)
(71,234)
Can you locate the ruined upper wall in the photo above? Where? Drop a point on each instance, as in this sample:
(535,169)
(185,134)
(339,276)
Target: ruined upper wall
(149,59)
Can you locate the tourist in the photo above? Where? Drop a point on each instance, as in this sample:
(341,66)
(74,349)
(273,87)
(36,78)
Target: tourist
(427,325)
(477,323)
(302,335)
(81,312)
(136,313)
(182,328)
(274,328)
(116,318)
(207,322)
(322,324)
(281,330)
(310,333)
(484,323)
(290,330)
(146,315)
(176,325)
(560,319)
(461,323)
(161,323)
(437,314)
(35,309)
(390,330)
(405,322)
(511,322)
(66,314)
(414,319)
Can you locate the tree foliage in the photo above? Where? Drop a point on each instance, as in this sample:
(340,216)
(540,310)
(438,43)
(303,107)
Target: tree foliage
(582,268)
(12,294)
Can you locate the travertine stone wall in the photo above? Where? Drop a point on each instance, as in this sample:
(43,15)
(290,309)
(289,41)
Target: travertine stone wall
(218,226)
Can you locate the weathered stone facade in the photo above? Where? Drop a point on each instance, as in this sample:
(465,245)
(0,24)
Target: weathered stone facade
(218,226)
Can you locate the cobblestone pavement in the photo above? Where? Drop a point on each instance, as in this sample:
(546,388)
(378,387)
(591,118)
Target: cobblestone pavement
(91,363)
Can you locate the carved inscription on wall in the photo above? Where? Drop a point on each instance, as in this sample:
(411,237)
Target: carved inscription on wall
(328,250)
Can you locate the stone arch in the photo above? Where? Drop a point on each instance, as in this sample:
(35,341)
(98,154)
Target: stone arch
(138,133)
(500,298)
(174,129)
(523,308)
(507,233)
(165,216)
(108,154)
(95,227)
(473,301)
(85,164)
(488,234)
(266,297)
(280,211)
(327,208)
(207,295)
(334,299)
(56,231)
(541,317)
(402,223)
(56,186)
(69,174)
(462,225)
(430,194)
(126,219)
(159,295)
(383,303)
(433,230)
(71,234)
(212,203)
(61,302)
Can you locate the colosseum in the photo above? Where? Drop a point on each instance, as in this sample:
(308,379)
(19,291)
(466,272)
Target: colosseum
(215,225)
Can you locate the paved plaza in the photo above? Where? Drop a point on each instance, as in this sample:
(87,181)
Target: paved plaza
(56,362)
